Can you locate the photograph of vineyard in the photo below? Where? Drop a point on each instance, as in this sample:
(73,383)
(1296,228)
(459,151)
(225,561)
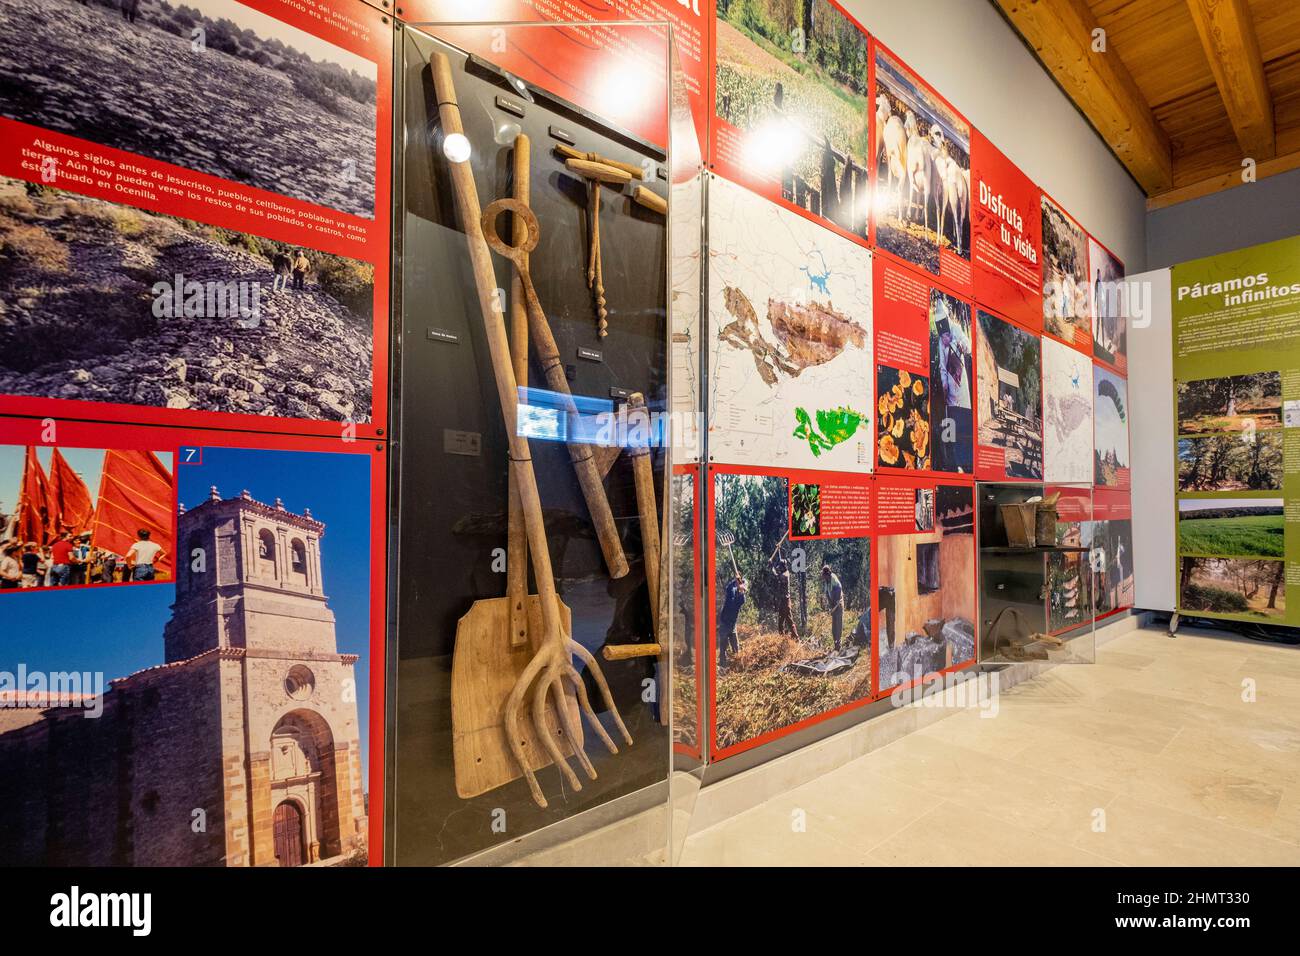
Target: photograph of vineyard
(1231,527)
(1233,586)
(922,161)
(791,76)
(686,699)
(1233,403)
(773,595)
(1009,379)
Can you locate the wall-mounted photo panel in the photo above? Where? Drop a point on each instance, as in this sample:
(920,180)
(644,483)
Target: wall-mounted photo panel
(1106,307)
(196,213)
(1006,236)
(925,578)
(1066,292)
(791,117)
(790,361)
(791,575)
(1009,401)
(86,517)
(924,367)
(1069,593)
(1109,539)
(229,712)
(1067,414)
(1110,429)
(921,176)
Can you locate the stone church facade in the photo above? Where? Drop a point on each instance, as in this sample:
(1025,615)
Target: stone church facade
(241,749)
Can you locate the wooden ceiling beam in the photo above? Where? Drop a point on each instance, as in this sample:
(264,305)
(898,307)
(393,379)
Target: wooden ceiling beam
(1229,179)
(1228,36)
(1061,32)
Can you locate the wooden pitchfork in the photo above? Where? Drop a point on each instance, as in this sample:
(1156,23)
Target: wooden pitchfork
(727,539)
(552,664)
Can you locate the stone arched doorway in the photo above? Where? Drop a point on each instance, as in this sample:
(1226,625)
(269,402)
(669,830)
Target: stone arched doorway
(303,773)
(290,847)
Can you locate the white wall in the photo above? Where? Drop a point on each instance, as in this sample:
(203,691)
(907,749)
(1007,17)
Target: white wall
(968,52)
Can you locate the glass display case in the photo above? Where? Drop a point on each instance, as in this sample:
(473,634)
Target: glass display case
(532,633)
(1043,560)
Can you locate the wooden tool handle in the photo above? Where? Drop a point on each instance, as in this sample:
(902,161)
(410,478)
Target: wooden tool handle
(465,193)
(599,171)
(569,152)
(651,200)
(647,507)
(625,652)
(516,536)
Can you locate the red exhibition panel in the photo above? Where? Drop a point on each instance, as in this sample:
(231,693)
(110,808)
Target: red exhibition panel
(234,618)
(1066,296)
(200,219)
(791,574)
(925,586)
(1107,298)
(790,117)
(592,56)
(921,180)
(925,388)
(1007,236)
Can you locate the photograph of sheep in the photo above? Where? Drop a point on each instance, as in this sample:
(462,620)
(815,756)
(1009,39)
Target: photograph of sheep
(792,618)
(922,195)
(800,107)
(211,85)
(1231,527)
(1010,413)
(1233,403)
(926,592)
(103,302)
(1236,587)
(1066,297)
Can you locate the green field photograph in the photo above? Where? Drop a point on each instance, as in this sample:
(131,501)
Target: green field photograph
(1231,527)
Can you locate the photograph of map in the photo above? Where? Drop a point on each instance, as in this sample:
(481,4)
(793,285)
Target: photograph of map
(790,371)
(1067,413)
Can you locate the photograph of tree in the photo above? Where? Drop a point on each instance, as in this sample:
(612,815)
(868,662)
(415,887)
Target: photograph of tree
(1230,462)
(902,419)
(806,518)
(1236,586)
(792,77)
(926,592)
(951,358)
(1233,403)
(110,303)
(252,99)
(1245,527)
(1066,296)
(923,198)
(792,619)
(1110,428)
(1010,411)
(686,687)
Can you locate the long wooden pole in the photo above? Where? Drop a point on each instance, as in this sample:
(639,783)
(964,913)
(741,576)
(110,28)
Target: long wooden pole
(516,535)
(467,205)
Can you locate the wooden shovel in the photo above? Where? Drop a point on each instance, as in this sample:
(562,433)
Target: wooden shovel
(550,673)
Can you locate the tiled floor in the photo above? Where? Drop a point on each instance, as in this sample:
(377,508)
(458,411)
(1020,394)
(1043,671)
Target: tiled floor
(1164,752)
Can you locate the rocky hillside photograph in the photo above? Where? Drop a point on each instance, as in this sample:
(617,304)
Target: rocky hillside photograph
(107,303)
(217,87)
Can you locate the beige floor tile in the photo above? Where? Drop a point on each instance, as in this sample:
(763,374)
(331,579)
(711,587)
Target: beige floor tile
(1286,822)
(952,835)
(1138,833)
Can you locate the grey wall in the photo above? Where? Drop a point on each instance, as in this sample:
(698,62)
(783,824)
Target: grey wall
(966,51)
(1223,222)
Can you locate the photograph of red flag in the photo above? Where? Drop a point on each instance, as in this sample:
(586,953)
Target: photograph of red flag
(71,506)
(84,508)
(136,494)
(34,501)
